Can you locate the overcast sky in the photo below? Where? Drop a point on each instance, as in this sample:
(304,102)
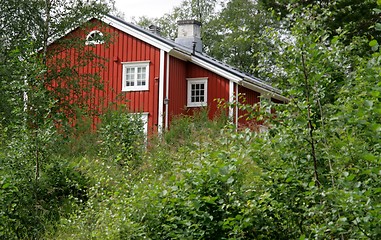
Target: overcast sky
(148,8)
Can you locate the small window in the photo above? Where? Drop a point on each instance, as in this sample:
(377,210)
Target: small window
(135,76)
(197,92)
(94,37)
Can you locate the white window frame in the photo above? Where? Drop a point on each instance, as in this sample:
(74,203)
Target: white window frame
(135,65)
(190,82)
(94,42)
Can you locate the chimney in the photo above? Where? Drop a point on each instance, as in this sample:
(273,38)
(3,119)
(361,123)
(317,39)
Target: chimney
(189,34)
(154,29)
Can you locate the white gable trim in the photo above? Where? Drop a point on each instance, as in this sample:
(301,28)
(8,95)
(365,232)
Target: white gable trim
(136,33)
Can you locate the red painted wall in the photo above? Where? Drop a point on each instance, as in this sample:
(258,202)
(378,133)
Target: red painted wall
(122,48)
(248,97)
(218,88)
(177,87)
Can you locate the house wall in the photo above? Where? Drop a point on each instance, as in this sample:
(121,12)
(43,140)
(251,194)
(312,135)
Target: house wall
(249,97)
(177,87)
(218,88)
(122,48)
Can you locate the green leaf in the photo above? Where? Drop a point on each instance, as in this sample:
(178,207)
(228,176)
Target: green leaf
(369,157)
(378,25)
(289,179)
(351,177)
(230,180)
(368,103)
(373,43)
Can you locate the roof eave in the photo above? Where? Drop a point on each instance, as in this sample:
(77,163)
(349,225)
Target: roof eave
(137,33)
(213,68)
(274,93)
(182,55)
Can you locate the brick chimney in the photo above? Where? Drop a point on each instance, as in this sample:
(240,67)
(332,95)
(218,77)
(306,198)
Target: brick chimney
(189,34)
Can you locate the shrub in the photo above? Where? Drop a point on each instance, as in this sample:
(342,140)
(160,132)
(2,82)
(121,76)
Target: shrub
(122,138)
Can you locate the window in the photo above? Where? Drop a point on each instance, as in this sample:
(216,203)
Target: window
(135,76)
(197,92)
(94,37)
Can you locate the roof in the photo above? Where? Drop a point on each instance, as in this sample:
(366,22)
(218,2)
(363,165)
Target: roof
(197,58)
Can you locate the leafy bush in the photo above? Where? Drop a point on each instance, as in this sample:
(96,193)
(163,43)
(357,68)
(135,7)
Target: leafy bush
(184,127)
(121,137)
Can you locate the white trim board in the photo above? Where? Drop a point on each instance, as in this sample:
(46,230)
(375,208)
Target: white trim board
(136,33)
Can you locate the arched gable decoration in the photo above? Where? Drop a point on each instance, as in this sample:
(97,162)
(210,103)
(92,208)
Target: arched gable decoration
(94,37)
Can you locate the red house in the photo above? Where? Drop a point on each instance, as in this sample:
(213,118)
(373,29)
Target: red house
(161,78)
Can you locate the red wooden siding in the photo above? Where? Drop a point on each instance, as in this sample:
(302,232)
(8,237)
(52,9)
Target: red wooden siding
(247,96)
(123,48)
(218,87)
(177,87)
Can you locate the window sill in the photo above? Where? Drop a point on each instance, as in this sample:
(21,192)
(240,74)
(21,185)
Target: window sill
(135,90)
(197,105)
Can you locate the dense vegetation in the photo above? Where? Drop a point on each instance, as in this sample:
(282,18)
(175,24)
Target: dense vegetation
(314,174)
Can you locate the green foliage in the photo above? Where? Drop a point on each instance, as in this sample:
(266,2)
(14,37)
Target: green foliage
(201,10)
(122,138)
(35,198)
(233,36)
(202,196)
(184,127)
(355,18)
(38,186)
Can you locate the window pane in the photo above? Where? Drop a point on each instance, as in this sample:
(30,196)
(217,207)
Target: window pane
(141,76)
(130,76)
(197,92)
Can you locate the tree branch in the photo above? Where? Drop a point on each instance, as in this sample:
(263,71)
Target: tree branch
(310,126)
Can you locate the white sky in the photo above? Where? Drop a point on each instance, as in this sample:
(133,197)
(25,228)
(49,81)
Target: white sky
(148,8)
